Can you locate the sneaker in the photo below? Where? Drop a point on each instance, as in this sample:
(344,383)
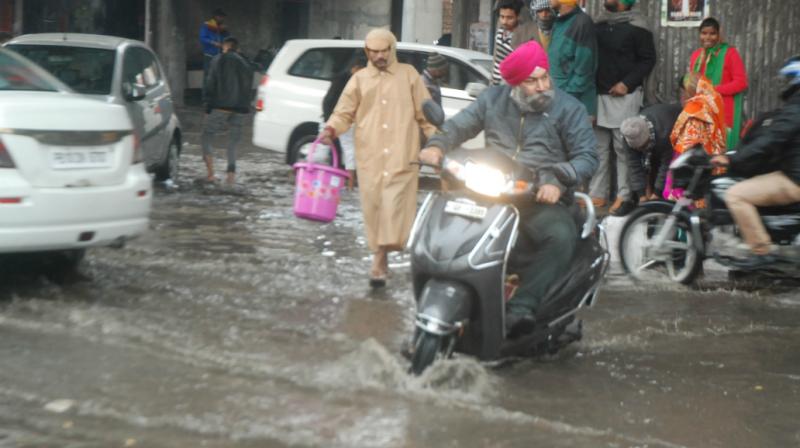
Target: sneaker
(624,208)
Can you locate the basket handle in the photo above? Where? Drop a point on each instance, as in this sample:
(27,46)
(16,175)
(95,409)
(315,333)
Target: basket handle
(332,148)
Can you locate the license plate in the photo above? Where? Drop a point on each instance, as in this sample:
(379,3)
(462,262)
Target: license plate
(466,210)
(80,158)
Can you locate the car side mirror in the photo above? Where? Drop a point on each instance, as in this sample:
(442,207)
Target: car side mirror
(433,113)
(474,89)
(132,93)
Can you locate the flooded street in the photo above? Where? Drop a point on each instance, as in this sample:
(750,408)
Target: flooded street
(234,324)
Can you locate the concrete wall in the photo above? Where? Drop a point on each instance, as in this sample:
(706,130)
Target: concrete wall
(422,21)
(254,23)
(169,42)
(348,19)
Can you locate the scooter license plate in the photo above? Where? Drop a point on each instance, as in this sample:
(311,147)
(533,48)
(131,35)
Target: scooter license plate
(466,210)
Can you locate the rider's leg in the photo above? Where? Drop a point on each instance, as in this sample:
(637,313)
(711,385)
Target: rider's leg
(553,236)
(767,190)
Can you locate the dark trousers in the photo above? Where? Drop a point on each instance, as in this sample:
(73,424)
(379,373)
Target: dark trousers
(547,240)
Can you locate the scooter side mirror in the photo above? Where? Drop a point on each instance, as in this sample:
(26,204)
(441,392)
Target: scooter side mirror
(433,113)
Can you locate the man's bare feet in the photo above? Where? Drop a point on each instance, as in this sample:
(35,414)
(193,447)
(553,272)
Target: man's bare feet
(230,178)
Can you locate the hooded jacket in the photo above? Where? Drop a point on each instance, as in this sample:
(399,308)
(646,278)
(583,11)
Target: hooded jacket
(230,83)
(562,133)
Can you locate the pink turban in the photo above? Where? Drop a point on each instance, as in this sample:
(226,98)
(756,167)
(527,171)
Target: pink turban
(520,64)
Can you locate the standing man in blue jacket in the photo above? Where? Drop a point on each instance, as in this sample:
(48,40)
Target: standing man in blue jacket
(542,126)
(212,34)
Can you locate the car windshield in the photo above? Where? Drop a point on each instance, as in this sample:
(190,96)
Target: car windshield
(85,70)
(486,64)
(16,75)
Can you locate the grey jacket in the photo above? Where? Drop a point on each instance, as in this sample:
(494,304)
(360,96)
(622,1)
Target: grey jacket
(563,133)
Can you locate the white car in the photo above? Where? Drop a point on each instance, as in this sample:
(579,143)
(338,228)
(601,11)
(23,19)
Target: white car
(289,101)
(120,71)
(71,171)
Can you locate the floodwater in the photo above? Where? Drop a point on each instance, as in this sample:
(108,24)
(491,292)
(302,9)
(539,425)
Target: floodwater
(233,324)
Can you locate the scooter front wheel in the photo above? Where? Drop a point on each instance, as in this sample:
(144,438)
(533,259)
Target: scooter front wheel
(653,246)
(426,348)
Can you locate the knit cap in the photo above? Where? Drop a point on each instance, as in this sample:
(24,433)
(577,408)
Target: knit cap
(538,5)
(436,62)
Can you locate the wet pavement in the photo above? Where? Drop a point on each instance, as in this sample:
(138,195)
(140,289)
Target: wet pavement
(234,324)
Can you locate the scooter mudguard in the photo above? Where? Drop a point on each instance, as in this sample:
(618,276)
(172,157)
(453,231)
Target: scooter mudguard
(444,306)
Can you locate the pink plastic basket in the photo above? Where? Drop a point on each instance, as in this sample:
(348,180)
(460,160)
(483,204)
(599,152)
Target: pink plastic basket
(317,188)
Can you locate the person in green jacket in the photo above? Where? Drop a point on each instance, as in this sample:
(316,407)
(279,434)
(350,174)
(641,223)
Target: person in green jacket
(573,54)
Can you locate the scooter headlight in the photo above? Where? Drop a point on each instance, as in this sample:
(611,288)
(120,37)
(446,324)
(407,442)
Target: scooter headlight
(485,180)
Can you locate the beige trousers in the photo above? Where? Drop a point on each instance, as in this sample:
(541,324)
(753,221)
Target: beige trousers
(761,191)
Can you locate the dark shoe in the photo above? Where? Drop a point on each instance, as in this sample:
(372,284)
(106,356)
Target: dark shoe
(624,208)
(754,262)
(519,324)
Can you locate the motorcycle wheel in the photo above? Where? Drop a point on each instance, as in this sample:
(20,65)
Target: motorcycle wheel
(426,349)
(679,258)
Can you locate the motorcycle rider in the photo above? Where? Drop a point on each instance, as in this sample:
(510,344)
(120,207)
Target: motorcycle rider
(541,126)
(770,156)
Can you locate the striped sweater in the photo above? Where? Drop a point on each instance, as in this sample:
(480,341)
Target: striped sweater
(502,48)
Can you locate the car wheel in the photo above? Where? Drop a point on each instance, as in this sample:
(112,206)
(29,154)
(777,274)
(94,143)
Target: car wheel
(171,166)
(300,148)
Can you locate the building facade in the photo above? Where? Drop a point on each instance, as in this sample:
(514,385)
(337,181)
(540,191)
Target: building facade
(765,35)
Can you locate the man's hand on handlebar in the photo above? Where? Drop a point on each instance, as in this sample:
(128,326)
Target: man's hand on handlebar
(431,156)
(548,194)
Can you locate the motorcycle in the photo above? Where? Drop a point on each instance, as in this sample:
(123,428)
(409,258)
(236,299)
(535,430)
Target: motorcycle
(674,238)
(462,254)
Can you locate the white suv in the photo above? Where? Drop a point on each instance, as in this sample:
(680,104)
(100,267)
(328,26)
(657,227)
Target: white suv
(71,171)
(289,102)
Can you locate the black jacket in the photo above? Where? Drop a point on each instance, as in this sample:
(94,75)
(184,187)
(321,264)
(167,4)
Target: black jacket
(773,144)
(662,117)
(229,84)
(625,52)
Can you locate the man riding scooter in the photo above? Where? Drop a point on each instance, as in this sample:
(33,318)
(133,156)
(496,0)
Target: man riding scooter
(769,155)
(540,126)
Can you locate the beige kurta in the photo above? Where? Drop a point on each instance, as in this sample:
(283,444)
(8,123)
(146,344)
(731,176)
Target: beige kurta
(386,108)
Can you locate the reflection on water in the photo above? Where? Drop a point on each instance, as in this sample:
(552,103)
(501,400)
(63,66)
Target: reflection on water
(234,324)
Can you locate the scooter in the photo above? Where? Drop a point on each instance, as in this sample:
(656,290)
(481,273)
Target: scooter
(462,254)
(673,238)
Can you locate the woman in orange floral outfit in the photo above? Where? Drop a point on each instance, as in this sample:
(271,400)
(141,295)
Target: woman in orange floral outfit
(702,122)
